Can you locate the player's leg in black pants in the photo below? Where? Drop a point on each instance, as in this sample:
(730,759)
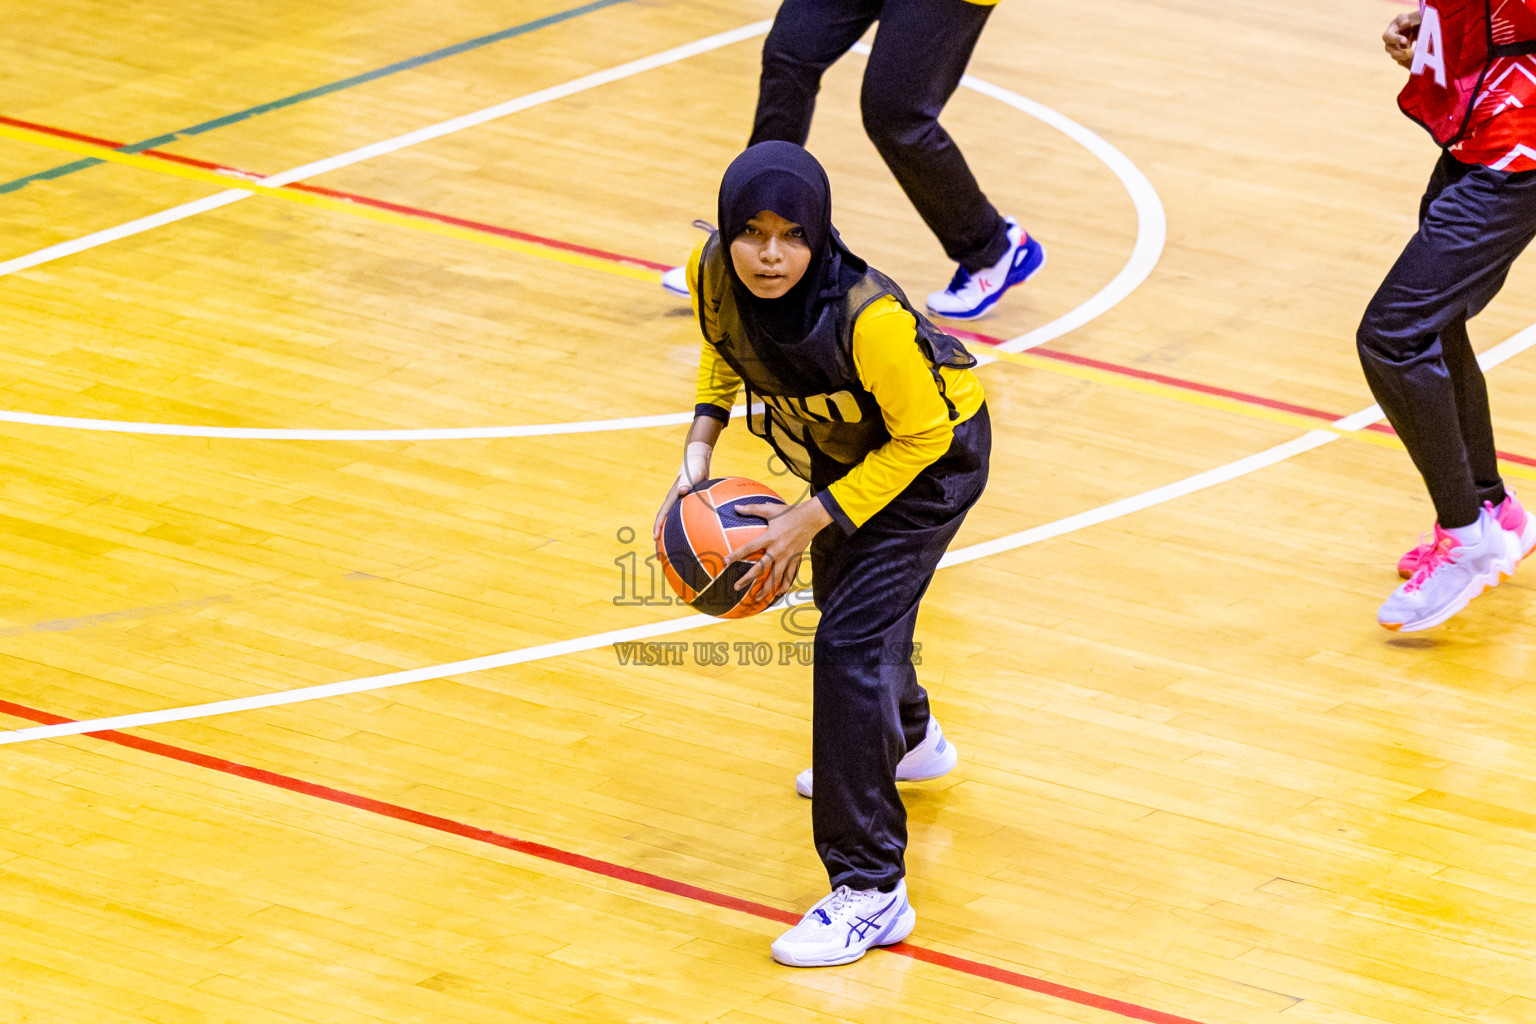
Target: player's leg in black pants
(806,38)
(1413,342)
(869,709)
(915,64)
(1472,412)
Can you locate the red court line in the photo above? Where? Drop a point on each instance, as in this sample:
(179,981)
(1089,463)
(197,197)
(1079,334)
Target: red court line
(351,197)
(1159,378)
(1204,389)
(635,261)
(618,872)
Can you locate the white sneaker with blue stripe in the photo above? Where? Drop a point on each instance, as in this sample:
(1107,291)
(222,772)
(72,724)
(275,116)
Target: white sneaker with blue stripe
(971,295)
(675,281)
(931,758)
(842,926)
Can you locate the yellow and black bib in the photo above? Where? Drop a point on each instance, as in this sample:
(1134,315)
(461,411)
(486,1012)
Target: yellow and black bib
(805,398)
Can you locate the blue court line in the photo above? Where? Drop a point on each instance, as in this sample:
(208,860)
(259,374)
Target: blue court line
(309,94)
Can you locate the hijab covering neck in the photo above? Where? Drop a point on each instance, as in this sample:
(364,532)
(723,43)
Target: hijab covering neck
(784,178)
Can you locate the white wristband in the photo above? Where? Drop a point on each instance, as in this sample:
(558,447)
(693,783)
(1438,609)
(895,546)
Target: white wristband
(695,467)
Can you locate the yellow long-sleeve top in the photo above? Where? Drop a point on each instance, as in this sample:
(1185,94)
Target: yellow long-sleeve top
(893,369)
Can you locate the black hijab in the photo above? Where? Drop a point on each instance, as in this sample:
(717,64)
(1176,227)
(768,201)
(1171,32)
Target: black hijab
(784,178)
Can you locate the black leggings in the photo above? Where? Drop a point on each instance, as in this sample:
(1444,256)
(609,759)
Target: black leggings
(915,64)
(1473,223)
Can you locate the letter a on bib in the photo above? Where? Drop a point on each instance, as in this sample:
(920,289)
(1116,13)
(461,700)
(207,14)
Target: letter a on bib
(1450,58)
(1429,50)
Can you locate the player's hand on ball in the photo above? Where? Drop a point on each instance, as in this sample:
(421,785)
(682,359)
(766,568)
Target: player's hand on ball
(677,490)
(782,544)
(1400,35)
(695,469)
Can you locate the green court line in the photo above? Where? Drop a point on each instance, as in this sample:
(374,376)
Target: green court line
(309,94)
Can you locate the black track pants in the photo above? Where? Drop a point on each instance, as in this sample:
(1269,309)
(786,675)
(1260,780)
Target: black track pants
(1473,223)
(869,708)
(915,64)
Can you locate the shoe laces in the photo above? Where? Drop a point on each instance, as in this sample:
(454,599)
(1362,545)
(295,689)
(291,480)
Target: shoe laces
(842,899)
(1438,554)
(960,280)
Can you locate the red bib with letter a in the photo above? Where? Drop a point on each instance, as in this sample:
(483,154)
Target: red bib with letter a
(1458,42)
(1450,60)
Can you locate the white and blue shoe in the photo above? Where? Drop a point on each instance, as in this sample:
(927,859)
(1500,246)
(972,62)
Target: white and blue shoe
(842,926)
(675,281)
(971,295)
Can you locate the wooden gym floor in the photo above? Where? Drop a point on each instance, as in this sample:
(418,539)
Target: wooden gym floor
(369,450)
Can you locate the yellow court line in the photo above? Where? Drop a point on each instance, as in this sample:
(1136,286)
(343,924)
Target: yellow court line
(1105,377)
(176,170)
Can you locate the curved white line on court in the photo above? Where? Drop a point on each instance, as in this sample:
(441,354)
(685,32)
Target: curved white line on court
(1113,510)
(1309,441)
(1151,218)
(1151,234)
(399,142)
(309,170)
(280,434)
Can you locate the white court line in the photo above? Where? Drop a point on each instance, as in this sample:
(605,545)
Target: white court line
(1147,499)
(1151,218)
(1114,510)
(1151,234)
(399,142)
(302,434)
(668,419)
(1082,520)
(553,650)
(133,227)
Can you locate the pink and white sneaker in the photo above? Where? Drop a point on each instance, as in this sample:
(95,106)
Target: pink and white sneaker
(1511,516)
(1451,574)
(1409,563)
